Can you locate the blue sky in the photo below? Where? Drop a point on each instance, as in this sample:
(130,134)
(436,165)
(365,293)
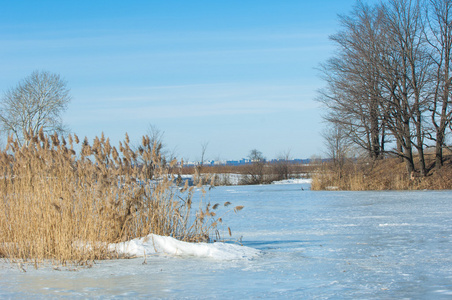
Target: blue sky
(237,75)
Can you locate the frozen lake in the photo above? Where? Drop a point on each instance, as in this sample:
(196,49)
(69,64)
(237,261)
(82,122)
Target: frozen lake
(314,245)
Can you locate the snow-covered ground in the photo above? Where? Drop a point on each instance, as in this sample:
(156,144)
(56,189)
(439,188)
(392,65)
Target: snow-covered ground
(298,244)
(155,244)
(236,179)
(294,181)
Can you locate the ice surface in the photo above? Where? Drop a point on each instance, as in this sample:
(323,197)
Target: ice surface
(313,245)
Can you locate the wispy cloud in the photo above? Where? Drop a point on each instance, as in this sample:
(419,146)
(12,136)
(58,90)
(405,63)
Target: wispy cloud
(199,100)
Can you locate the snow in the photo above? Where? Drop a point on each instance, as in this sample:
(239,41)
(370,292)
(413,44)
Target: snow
(235,179)
(294,181)
(155,244)
(297,244)
(230,178)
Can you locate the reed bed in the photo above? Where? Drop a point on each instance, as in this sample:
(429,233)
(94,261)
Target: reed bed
(67,207)
(385,174)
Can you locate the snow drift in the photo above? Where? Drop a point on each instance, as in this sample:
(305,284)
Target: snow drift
(156,244)
(294,181)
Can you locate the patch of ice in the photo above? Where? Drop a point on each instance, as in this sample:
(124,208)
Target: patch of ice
(153,244)
(393,224)
(444,292)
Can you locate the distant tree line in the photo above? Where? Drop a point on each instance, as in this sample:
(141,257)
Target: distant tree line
(389,82)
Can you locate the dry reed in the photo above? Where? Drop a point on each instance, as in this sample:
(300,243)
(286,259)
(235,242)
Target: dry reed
(59,206)
(385,174)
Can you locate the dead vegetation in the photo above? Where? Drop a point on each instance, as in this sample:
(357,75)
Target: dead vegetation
(66,207)
(383,174)
(252,174)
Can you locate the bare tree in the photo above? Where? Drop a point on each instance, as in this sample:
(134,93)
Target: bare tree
(153,142)
(338,146)
(440,38)
(282,166)
(381,79)
(255,170)
(353,94)
(36,102)
(256,156)
(408,71)
(203,152)
(156,139)
(200,165)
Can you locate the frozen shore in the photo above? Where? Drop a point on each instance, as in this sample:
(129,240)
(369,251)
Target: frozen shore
(155,244)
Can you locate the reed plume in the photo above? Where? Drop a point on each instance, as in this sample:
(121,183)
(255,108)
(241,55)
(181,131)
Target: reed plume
(66,207)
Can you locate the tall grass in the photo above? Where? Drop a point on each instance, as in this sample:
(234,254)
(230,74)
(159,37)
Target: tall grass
(59,205)
(385,174)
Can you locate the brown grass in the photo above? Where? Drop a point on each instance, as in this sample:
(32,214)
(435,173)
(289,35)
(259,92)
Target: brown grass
(66,207)
(271,172)
(386,174)
(243,169)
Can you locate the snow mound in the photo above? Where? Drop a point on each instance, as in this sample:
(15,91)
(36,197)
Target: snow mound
(156,244)
(294,181)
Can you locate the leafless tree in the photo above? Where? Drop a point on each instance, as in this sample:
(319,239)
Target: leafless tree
(353,94)
(255,170)
(439,36)
(390,70)
(156,138)
(407,75)
(282,166)
(203,152)
(338,146)
(152,143)
(200,165)
(36,102)
(256,156)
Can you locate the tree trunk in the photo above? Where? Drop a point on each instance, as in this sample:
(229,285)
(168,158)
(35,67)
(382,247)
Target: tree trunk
(374,131)
(419,145)
(408,158)
(407,148)
(439,150)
